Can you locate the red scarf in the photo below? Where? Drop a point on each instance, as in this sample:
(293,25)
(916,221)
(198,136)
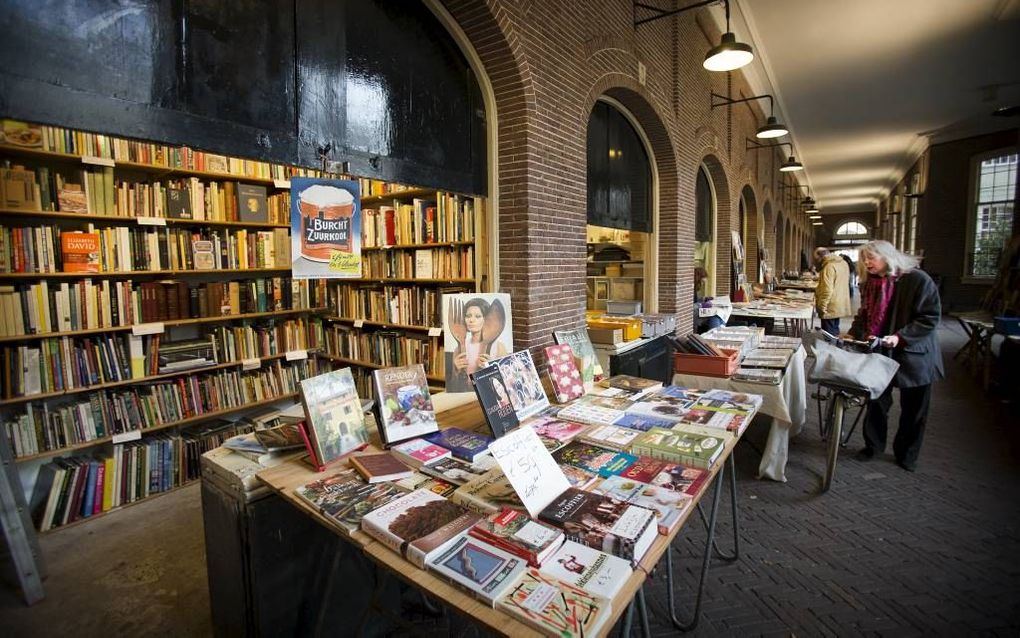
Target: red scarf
(875,298)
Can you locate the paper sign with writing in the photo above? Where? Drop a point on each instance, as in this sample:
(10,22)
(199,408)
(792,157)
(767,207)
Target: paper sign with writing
(530,468)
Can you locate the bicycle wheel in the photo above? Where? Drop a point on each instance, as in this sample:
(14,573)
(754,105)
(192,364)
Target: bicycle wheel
(835,428)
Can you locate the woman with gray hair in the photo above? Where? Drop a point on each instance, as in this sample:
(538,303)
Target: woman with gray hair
(900,303)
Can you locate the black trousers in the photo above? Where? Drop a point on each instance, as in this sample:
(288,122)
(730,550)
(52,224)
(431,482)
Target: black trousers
(914,403)
(831,326)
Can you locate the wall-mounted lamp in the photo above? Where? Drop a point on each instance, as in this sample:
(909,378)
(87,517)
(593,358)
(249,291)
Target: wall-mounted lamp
(817,224)
(772,127)
(728,55)
(814,216)
(788,166)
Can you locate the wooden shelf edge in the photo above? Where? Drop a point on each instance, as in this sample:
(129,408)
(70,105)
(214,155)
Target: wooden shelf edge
(369,364)
(380,324)
(156,428)
(397,195)
(134,220)
(168,324)
(148,379)
(135,273)
(442,244)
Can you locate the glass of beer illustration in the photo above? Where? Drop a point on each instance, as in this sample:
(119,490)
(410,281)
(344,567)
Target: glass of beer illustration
(327,213)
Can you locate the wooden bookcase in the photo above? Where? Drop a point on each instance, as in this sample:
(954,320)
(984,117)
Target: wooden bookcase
(88,404)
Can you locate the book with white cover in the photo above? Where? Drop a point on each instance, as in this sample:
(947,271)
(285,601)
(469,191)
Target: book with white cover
(487,571)
(592,570)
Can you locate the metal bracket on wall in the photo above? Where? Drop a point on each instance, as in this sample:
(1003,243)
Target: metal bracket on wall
(662,13)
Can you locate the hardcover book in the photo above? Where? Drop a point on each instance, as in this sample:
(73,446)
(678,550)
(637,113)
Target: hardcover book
(419,481)
(666,504)
(680,447)
(642,423)
(488,493)
(522,382)
(564,376)
(555,608)
(178,203)
(405,405)
(584,353)
(661,407)
(515,532)
(418,525)
(598,521)
(376,468)
(251,204)
(203,255)
(494,397)
(335,423)
(486,571)
(476,330)
(707,417)
(457,471)
(549,427)
(677,392)
(596,572)
(593,458)
(418,452)
(639,386)
(671,476)
(582,412)
(346,498)
(464,445)
(610,436)
(284,436)
(80,251)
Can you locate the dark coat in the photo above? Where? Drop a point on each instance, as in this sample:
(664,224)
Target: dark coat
(914,314)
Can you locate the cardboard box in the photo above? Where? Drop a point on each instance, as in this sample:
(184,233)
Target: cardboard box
(610,336)
(17,189)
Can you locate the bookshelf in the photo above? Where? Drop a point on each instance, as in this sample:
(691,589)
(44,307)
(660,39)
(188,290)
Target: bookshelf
(83,389)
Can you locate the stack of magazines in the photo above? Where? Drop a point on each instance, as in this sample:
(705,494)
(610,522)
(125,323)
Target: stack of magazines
(767,358)
(758,375)
(694,344)
(773,341)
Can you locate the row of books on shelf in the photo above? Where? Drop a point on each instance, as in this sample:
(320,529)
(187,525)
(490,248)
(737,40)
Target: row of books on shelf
(423,263)
(42,308)
(386,348)
(56,139)
(48,249)
(396,304)
(66,363)
(448,218)
(106,413)
(79,487)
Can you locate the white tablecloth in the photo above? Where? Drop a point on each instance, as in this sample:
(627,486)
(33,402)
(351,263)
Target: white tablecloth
(786,403)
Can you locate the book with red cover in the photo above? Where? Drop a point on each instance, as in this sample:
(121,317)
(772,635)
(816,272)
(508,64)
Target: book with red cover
(679,478)
(80,251)
(515,532)
(563,373)
(376,468)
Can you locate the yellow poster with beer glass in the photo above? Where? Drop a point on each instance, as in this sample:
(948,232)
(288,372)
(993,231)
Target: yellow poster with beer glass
(325,228)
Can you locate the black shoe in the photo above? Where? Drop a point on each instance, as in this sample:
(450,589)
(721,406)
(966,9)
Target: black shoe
(910,466)
(865,454)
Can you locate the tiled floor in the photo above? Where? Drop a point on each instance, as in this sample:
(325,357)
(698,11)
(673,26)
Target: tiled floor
(885,552)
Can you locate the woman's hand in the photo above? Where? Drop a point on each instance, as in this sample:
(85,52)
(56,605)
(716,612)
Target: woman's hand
(483,359)
(460,361)
(891,341)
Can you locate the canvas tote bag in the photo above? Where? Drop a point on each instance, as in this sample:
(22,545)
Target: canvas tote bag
(869,371)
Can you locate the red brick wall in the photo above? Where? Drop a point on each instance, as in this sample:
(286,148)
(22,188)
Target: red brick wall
(548,63)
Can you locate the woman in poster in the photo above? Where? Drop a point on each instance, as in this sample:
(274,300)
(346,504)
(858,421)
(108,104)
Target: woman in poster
(477,326)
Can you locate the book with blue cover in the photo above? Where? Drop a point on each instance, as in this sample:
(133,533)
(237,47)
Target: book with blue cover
(463,444)
(642,422)
(593,458)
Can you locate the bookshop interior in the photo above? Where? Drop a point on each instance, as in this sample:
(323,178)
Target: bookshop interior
(465,317)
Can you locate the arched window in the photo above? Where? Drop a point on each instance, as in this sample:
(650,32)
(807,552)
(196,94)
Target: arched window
(852,228)
(704,205)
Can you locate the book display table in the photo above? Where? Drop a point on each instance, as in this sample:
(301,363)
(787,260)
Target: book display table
(786,403)
(798,316)
(285,478)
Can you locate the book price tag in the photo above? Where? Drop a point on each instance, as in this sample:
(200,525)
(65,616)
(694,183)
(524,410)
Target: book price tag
(531,470)
(359,323)
(296,355)
(151,221)
(97,161)
(251,364)
(281,183)
(435,332)
(154,328)
(124,437)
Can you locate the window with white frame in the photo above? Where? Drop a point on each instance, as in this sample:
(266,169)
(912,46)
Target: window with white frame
(850,233)
(991,215)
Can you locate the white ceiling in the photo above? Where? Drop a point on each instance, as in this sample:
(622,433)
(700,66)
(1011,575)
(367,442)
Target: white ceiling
(865,84)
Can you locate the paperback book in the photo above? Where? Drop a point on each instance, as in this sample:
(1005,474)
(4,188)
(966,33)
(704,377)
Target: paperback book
(584,354)
(581,412)
(594,571)
(661,407)
(598,521)
(494,397)
(523,384)
(671,476)
(667,505)
(465,445)
(346,498)
(680,447)
(335,423)
(405,405)
(554,429)
(456,471)
(418,525)
(418,452)
(564,376)
(419,481)
(642,423)
(80,252)
(610,436)
(555,608)
(514,531)
(637,385)
(593,458)
(486,571)
(488,493)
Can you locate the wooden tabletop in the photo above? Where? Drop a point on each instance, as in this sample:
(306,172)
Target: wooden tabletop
(285,478)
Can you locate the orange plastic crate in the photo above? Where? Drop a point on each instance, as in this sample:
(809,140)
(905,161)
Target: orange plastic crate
(709,366)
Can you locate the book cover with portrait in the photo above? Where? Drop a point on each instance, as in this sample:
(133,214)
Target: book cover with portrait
(494,397)
(477,329)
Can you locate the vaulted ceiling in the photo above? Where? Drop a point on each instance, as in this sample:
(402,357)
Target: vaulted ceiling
(866,85)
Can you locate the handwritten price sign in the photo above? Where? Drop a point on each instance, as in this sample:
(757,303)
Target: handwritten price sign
(530,468)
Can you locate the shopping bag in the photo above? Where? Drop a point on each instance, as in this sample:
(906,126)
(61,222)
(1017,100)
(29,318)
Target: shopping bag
(870,371)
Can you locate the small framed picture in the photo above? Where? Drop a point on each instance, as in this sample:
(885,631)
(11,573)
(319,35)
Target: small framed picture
(601,290)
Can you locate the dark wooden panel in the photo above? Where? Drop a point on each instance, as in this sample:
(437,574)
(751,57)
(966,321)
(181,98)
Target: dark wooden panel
(619,174)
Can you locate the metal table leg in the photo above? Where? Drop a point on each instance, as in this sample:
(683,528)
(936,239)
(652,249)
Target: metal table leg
(683,625)
(721,555)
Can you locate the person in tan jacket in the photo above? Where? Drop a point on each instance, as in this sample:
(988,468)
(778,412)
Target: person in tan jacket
(832,296)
